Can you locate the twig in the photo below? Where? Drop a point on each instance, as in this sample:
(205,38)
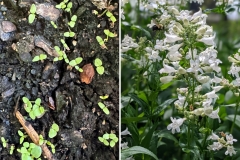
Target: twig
(32,133)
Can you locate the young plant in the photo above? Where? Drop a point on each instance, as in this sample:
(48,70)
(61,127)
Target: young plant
(69,34)
(62,55)
(41,140)
(108,137)
(27,104)
(52,146)
(103,107)
(98,64)
(37,110)
(75,62)
(30,151)
(53,130)
(53,24)
(111,17)
(73,21)
(32,14)
(4,142)
(41,57)
(101,42)
(22,136)
(64,44)
(104,97)
(62,5)
(11,149)
(109,34)
(69,6)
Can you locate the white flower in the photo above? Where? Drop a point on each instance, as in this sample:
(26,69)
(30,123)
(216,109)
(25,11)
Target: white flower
(211,94)
(215,146)
(217,88)
(175,125)
(154,56)
(167,69)
(194,67)
(180,102)
(213,137)
(124,145)
(198,111)
(208,40)
(230,139)
(170,38)
(230,150)
(166,79)
(125,132)
(214,115)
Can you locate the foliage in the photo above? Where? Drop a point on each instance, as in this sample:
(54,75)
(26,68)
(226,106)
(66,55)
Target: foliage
(32,15)
(103,107)
(4,142)
(98,64)
(108,137)
(29,151)
(53,130)
(41,57)
(35,110)
(22,136)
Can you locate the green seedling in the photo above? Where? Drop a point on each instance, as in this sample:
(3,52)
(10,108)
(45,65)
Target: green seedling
(98,64)
(103,107)
(41,140)
(30,151)
(69,6)
(41,57)
(11,149)
(37,110)
(73,21)
(111,16)
(101,42)
(52,146)
(53,24)
(75,62)
(53,130)
(104,97)
(109,34)
(4,142)
(60,53)
(32,14)
(106,137)
(69,34)
(64,44)
(27,104)
(22,136)
(62,5)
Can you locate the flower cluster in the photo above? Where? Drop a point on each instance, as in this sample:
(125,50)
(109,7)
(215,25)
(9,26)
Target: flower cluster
(225,141)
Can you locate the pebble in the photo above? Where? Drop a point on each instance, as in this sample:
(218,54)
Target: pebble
(7,29)
(88,73)
(48,11)
(33,71)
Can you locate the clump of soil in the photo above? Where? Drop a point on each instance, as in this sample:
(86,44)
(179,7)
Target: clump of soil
(76,111)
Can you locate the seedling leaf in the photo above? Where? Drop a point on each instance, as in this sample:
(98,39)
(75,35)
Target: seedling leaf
(42,56)
(106,142)
(38,101)
(66,34)
(31,114)
(99,39)
(71,34)
(21,140)
(100,70)
(20,133)
(25,100)
(109,14)
(100,139)
(76,67)
(33,9)
(97,62)
(112,136)
(74,18)
(36,58)
(72,63)
(78,60)
(55,127)
(57,48)
(36,151)
(26,144)
(101,105)
(52,133)
(71,24)
(104,97)
(106,136)
(112,143)
(105,110)
(31,18)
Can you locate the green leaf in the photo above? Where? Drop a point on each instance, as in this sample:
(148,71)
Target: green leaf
(231,118)
(71,24)
(43,56)
(52,133)
(20,133)
(106,31)
(71,34)
(36,111)
(72,63)
(80,70)
(76,67)
(101,105)
(32,115)
(27,109)
(100,70)
(113,19)
(21,140)
(109,14)
(55,59)
(104,97)
(36,58)
(66,34)
(29,104)
(33,9)
(26,144)
(58,6)
(55,127)
(99,39)
(38,101)
(100,139)
(106,142)
(112,34)
(57,48)
(105,110)
(97,62)
(74,18)
(78,60)
(67,9)
(25,156)
(106,136)
(36,151)
(25,100)
(136,150)
(112,143)
(112,136)
(31,18)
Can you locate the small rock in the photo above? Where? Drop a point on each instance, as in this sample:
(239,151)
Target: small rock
(48,11)
(87,74)
(8,26)
(8,93)
(45,45)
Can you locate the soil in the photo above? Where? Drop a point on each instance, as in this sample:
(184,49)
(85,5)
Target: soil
(76,111)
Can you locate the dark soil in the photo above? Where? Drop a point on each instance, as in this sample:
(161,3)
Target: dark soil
(76,111)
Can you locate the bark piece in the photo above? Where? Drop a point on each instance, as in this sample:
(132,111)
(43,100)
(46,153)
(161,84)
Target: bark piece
(88,73)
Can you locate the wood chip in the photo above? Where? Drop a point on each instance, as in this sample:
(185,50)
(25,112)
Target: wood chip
(88,73)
